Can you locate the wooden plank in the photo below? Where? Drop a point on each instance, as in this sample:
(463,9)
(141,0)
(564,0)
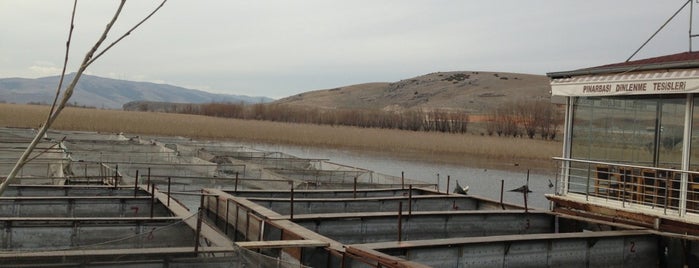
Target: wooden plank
(99,187)
(365,199)
(63,197)
(415,213)
(598,221)
(600,217)
(345,191)
(108,252)
(567,205)
(663,223)
(212,235)
(379,259)
(244,202)
(502,238)
(71,219)
(284,225)
(283,244)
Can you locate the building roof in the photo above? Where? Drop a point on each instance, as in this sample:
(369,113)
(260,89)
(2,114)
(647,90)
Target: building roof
(674,61)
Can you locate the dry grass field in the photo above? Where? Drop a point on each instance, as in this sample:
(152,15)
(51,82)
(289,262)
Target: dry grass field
(423,146)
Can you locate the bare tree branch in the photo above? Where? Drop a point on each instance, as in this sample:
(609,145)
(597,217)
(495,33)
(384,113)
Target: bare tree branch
(128,32)
(45,150)
(65,61)
(69,91)
(55,111)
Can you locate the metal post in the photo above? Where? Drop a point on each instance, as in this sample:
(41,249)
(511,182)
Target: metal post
(116,175)
(526,208)
(656,32)
(342,261)
(206,205)
(355,188)
(228,202)
(623,191)
(526,193)
(668,186)
(448,183)
(400,221)
(218,205)
(199,220)
(437,186)
(247,225)
(152,200)
(237,220)
(292,202)
(135,185)
(587,183)
(236,182)
(502,191)
(691,13)
(402,180)
(686,150)
(168,191)
(148,180)
(410,200)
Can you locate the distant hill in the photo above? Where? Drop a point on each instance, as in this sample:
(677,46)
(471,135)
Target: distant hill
(473,92)
(109,93)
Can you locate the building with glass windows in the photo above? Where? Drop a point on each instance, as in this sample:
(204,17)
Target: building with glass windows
(631,143)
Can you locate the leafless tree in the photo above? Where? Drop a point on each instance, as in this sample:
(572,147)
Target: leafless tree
(90,57)
(517,118)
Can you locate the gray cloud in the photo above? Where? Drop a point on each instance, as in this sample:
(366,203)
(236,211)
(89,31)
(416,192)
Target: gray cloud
(279,48)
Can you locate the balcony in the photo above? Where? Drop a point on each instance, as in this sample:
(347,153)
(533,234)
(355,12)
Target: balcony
(659,198)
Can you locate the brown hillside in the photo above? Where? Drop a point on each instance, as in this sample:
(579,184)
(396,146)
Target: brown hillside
(473,92)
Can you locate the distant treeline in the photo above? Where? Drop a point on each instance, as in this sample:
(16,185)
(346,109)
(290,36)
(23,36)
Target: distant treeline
(528,118)
(73,104)
(520,118)
(415,120)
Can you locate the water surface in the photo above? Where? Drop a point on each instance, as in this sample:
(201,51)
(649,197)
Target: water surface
(482,181)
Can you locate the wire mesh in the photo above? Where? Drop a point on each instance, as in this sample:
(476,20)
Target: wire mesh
(253,259)
(67,234)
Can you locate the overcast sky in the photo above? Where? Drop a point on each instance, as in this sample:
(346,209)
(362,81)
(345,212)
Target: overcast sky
(279,48)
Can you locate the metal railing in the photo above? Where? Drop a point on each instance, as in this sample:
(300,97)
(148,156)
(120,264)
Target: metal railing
(631,185)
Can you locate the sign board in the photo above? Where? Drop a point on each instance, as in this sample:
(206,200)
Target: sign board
(639,83)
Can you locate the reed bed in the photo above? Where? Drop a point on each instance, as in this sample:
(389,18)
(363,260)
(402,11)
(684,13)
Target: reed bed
(435,147)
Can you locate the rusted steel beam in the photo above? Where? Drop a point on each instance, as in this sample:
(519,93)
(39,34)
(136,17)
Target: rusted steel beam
(283,244)
(658,222)
(378,259)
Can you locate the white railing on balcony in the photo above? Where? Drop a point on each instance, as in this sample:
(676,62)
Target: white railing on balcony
(671,190)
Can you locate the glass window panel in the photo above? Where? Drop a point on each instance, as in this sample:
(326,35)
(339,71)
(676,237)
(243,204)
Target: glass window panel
(671,132)
(694,151)
(637,130)
(614,129)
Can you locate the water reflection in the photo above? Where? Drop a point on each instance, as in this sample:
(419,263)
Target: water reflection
(482,182)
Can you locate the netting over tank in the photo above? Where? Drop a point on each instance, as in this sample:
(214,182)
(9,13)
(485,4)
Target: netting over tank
(85,238)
